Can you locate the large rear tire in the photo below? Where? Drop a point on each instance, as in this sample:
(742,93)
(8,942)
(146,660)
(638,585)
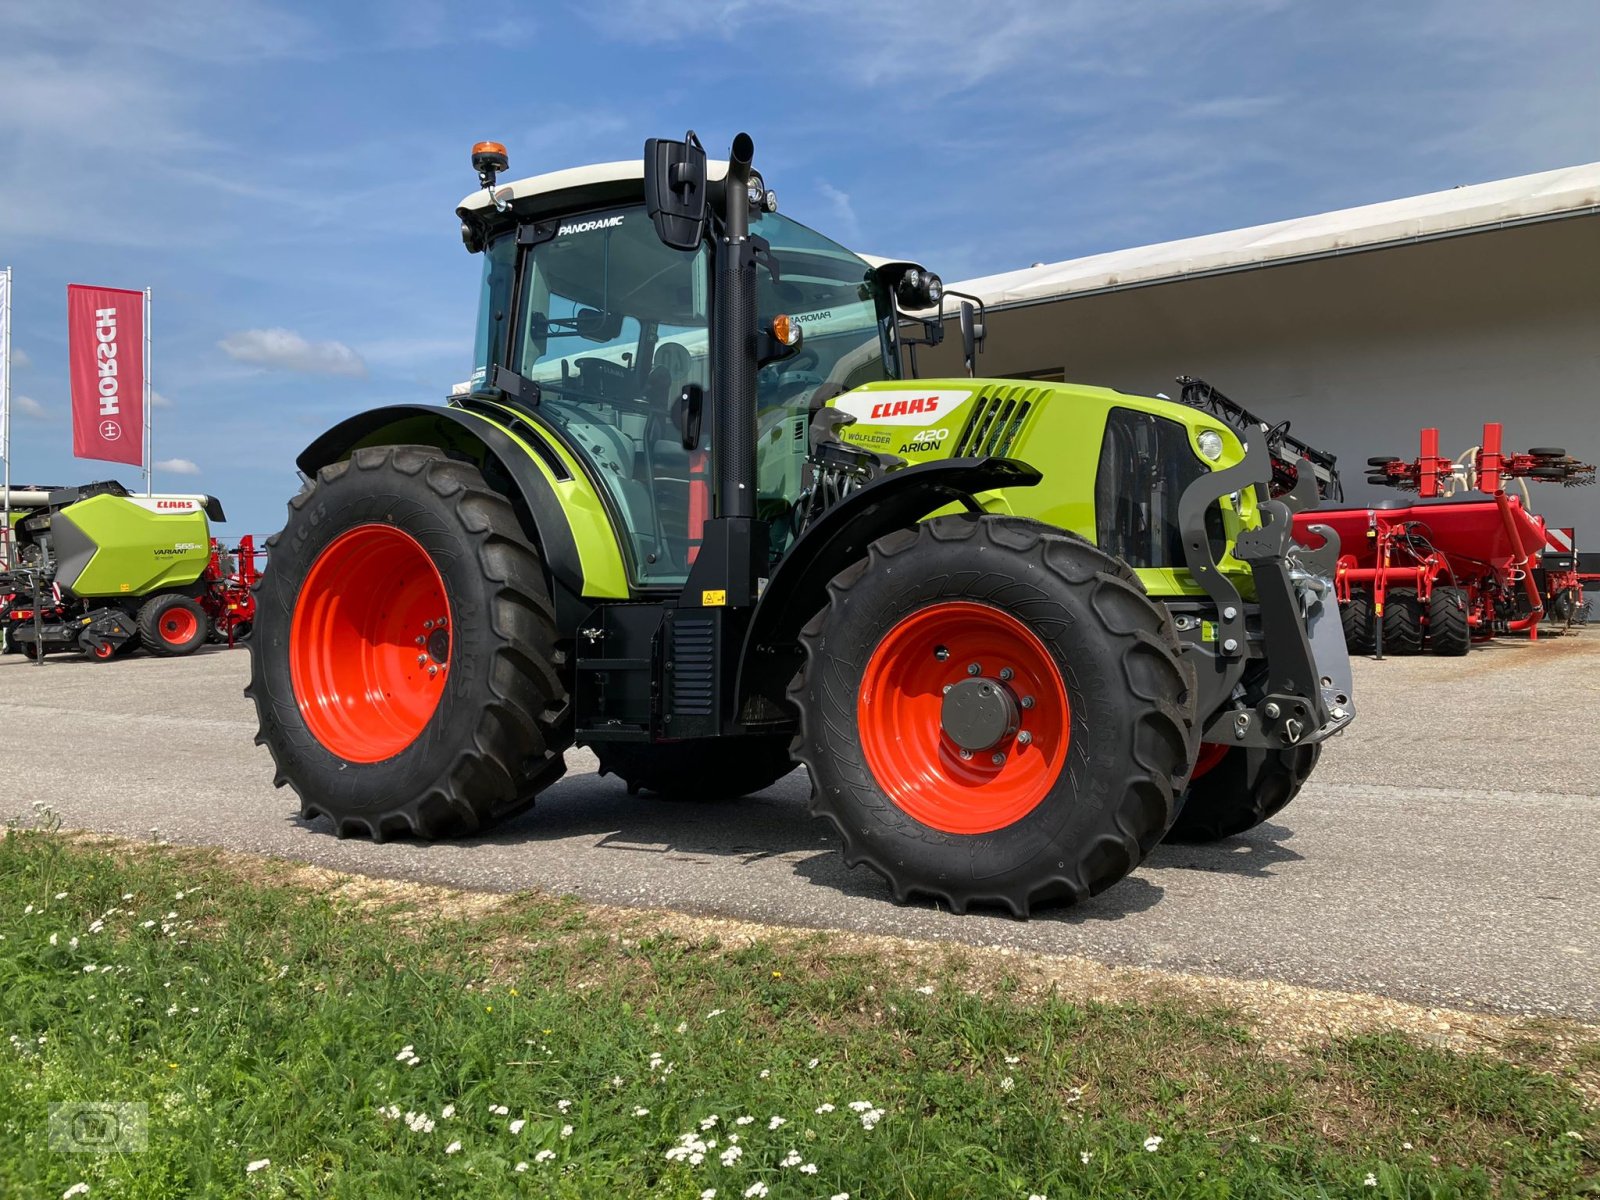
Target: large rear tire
(1356,617)
(1402,622)
(172,626)
(1449,633)
(404,662)
(1245,787)
(712,769)
(1039,656)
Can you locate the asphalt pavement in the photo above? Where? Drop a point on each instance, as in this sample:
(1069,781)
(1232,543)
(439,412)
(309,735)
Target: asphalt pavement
(1445,851)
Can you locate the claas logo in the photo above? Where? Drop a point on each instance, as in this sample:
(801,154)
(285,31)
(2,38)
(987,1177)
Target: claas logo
(901,408)
(183,504)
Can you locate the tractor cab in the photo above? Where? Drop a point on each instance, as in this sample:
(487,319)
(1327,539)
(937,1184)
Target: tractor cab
(589,311)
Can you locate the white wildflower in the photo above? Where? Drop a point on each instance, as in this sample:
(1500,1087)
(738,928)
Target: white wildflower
(1153,1143)
(1007,1084)
(520,1167)
(77,1189)
(1370,1181)
(516,1126)
(775,1122)
(544,1156)
(791,1159)
(252,1167)
(823,1108)
(447,1112)
(812,1065)
(709,1194)
(563,1105)
(566,1131)
(683,1027)
(870,1118)
(744,1121)
(926,990)
(808,1169)
(860,1105)
(61,895)
(765,1074)
(452,1148)
(1407,1146)
(731,1155)
(641,1111)
(1012,1060)
(840,1196)
(499,1110)
(755,1190)
(1086,1157)
(709,1122)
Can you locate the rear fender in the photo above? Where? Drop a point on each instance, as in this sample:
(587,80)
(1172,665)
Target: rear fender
(514,466)
(798,589)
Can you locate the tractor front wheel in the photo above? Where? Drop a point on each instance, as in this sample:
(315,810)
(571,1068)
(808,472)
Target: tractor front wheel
(173,626)
(404,661)
(993,712)
(1240,788)
(1449,632)
(712,769)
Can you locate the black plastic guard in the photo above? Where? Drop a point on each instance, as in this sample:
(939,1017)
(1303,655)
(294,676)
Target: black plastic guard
(798,589)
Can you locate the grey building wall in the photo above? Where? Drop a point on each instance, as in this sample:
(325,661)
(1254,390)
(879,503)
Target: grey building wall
(1361,351)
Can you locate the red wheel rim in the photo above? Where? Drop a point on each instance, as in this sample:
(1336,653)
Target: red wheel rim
(177,626)
(104,650)
(1211,753)
(369,644)
(901,713)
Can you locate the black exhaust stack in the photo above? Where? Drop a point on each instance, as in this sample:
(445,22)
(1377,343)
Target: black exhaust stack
(734,389)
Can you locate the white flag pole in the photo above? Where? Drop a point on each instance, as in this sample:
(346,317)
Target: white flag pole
(5,412)
(149,463)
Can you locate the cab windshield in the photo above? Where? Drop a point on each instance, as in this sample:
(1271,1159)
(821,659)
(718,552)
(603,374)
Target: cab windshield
(611,325)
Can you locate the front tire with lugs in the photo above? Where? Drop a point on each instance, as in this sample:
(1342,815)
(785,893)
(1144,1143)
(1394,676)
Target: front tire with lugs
(404,661)
(1449,630)
(993,712)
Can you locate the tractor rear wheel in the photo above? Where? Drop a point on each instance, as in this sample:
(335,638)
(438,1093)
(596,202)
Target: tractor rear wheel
(404,663)
(1402,622)
(1449,633)
(1242,788)
(173,626)
(993,712)
(1356,617)
(710,769)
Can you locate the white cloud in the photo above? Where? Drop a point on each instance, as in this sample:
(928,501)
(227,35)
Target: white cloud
(177,466)
(157,400)
(29,407)
(285,350)
(849,227)
(19,358)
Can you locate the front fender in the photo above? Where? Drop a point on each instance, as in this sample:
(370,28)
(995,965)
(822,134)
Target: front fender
(798,589)
(513,465)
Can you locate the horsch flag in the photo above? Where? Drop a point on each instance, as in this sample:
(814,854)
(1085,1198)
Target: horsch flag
(105,348)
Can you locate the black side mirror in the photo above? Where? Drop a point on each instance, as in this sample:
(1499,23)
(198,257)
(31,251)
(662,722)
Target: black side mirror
(596,326)
(972,335)
(675,190)
(691,409)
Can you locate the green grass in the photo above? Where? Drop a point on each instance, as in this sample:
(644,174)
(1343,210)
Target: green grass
(264,1021)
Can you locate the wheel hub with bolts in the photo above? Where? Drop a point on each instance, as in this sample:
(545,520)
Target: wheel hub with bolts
(964,717)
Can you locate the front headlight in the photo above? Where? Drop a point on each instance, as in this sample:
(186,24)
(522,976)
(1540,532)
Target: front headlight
(1210,443)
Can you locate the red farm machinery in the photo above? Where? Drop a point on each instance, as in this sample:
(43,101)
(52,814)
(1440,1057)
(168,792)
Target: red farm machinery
(1446,569)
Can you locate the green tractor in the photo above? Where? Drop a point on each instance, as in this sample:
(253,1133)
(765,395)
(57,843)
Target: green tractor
(101,571)
(690,513)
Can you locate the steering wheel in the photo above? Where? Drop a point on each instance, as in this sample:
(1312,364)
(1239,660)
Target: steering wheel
(791,375)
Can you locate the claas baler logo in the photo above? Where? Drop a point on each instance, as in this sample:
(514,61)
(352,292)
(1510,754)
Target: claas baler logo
(184,505)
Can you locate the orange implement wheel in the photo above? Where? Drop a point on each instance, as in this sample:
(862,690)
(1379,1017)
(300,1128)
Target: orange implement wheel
(178,626)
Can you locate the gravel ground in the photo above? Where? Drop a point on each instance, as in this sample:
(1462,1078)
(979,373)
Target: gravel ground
(1443,853)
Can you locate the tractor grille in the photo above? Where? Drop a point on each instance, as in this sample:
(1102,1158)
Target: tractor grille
(995,423)
(694,667)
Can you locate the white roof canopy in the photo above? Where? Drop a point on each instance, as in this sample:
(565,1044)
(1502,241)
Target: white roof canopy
(1572,191)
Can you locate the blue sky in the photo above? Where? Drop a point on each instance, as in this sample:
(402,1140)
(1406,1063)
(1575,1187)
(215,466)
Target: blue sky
(284,175)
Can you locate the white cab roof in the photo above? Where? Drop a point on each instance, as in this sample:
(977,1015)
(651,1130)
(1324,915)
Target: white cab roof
(577,179)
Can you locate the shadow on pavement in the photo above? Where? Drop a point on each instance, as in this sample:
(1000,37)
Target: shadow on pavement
(1253,853)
